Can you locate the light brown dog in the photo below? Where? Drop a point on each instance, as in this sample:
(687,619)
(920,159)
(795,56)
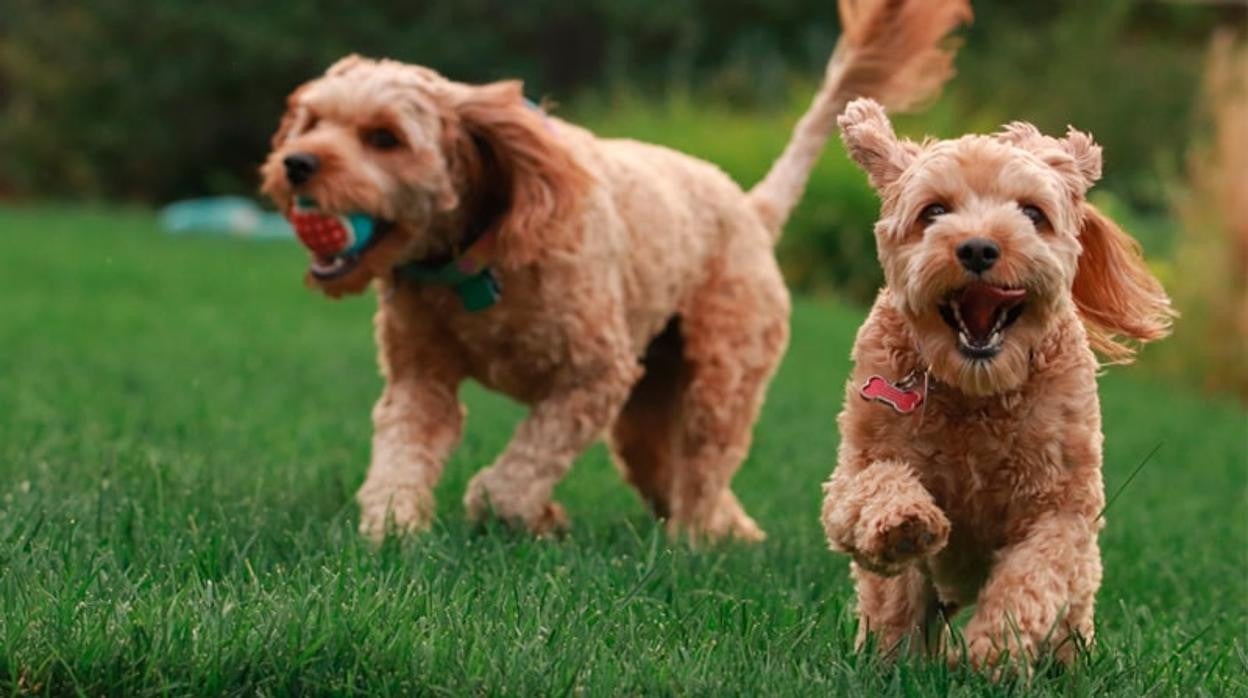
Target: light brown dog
(639,291)
(1000,281)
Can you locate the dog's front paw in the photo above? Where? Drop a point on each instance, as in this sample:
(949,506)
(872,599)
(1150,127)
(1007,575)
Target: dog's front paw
(901,536)
(487,496)
(996,657)
(402,509)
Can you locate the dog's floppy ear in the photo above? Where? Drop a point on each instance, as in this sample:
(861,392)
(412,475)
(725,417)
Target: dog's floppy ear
(1117,296)
(542,182)
(871,142)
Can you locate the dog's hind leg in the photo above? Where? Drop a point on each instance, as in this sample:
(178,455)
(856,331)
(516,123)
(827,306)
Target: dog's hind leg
(735,330)
(643,438)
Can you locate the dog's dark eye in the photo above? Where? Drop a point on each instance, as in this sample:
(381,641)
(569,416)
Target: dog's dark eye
(1035,215)
(931,212)
(381,139)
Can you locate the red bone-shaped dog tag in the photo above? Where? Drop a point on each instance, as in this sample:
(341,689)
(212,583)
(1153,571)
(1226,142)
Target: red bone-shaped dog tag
(904,397)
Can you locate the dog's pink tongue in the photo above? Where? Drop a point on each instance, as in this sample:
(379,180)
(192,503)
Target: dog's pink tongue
(980,303)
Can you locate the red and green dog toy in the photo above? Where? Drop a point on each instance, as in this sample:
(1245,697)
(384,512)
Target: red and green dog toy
(339,240)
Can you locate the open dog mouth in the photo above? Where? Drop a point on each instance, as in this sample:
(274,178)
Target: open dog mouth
(328,268)
(980,314)
(337,241)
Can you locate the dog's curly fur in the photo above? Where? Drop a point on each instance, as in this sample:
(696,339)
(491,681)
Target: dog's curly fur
(990,493)
(641,296)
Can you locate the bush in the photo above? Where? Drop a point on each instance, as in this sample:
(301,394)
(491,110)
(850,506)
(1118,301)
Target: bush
(1126,71)
(155,101)
(152,101)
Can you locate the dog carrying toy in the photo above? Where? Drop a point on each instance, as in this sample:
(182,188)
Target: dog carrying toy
(330,236)
(337,240)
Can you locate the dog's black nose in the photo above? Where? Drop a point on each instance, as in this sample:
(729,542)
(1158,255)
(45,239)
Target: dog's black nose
(300,167)
(978,255)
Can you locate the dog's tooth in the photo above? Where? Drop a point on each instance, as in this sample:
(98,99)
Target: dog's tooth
(957,315)
(327,268)
(995,339)
(964,339)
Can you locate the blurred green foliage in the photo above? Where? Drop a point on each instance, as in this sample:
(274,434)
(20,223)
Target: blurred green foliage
(148,101)
(1127,71)
(154,100)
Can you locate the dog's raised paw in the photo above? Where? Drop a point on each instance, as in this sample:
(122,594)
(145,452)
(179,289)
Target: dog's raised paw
(902,537)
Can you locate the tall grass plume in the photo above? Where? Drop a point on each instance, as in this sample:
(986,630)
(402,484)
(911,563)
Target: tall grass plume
(1210,284)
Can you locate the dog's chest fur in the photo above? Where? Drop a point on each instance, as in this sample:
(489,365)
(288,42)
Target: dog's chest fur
(993,464)
(513,347)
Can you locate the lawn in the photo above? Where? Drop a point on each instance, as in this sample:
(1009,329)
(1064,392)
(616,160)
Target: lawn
(182,427)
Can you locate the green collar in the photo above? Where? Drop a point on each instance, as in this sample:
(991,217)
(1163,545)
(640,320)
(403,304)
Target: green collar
(469,274)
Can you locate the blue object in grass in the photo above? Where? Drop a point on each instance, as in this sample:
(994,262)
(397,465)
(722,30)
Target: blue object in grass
(224,215)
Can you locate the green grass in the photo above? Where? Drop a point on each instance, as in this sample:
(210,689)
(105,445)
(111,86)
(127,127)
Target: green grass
(182,427)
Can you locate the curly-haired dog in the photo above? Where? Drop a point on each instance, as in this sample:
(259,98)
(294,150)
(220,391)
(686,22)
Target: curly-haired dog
(609,285)
(970,463)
